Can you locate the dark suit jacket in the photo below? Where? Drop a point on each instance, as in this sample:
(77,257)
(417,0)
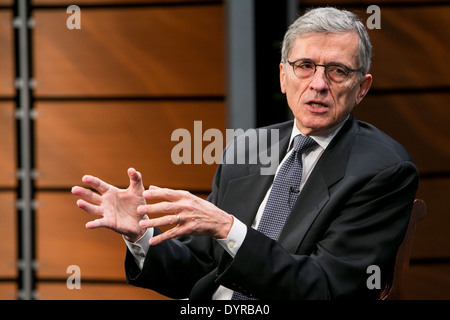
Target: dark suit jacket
(352,213)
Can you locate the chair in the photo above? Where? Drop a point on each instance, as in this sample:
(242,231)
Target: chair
(395,288)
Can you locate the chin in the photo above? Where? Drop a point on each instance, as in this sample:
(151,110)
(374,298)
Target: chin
(312,124)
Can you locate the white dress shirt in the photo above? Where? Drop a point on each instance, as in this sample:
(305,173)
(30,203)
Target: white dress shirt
(238,231)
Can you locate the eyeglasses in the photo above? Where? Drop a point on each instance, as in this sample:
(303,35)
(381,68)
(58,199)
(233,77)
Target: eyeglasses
(336,72)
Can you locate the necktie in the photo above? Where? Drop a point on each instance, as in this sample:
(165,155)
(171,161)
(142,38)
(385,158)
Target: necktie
(284,193)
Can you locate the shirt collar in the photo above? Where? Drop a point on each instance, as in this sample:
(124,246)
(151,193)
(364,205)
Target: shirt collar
(323,139)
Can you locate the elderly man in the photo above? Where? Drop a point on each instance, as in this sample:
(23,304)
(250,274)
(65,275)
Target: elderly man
(339,202)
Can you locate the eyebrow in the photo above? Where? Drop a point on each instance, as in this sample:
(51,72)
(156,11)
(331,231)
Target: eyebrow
(311,60)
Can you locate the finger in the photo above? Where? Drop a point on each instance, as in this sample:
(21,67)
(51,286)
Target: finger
(159,194)
(167,220)
(159,208)
(89,208)
(169,234)
(94,224)
(87,195)
(135,180)
(96,183)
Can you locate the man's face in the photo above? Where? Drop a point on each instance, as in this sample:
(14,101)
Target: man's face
(318,103)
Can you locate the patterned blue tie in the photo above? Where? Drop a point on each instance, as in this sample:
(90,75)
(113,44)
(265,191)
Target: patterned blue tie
(284,193)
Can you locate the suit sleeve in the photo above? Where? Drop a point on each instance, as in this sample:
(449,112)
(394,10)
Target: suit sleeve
(366,230)
(174,266)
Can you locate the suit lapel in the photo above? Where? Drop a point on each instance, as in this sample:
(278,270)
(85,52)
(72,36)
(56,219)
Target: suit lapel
(315,194)
(309,203)
(244,195)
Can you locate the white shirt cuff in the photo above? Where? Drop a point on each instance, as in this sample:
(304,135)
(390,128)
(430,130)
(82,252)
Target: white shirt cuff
(140,247)
(235,237)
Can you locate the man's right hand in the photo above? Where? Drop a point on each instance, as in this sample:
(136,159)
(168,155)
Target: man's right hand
(117,207)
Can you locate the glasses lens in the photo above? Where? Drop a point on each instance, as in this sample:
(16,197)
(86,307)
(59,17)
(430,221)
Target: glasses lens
(304,69)
(337,73)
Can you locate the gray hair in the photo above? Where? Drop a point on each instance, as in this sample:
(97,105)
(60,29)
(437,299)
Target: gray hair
(329,20)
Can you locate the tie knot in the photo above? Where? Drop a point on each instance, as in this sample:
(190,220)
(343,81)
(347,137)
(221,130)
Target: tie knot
(303,143)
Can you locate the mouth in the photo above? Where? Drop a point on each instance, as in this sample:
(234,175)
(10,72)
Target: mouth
(317,106)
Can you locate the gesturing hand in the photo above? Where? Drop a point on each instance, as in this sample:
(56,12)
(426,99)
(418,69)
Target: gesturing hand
(192,215)
(117,207)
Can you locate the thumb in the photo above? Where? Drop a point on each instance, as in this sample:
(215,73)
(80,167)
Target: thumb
(135,180)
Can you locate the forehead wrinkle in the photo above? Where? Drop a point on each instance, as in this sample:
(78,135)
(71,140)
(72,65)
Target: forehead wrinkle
(324,48)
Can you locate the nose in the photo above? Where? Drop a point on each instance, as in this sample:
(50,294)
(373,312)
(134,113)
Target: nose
(319,81)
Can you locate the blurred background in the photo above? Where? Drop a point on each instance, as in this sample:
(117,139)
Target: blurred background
(106,97)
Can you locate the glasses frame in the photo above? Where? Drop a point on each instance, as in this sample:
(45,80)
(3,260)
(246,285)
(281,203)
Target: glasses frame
(325,66)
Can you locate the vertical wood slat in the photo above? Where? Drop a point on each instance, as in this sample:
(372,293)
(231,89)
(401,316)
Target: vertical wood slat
(8,235)
(7,145)
(6,54)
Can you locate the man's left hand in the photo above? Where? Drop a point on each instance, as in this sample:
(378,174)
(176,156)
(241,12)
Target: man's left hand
(191,215)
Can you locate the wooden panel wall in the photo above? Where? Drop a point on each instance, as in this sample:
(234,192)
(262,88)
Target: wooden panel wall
(8,229)
(409,100)
(6,54)
(107,97)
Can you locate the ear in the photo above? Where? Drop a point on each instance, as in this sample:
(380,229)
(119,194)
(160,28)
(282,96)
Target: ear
(364,87)
(282,78)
